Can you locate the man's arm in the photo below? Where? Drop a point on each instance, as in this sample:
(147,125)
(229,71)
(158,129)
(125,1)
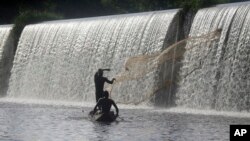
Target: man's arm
(108,81)
(95,109)
(104,70)
(116,108)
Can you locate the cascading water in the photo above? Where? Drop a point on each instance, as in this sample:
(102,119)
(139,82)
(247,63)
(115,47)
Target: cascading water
(6,57)
(57,60)
(217,75)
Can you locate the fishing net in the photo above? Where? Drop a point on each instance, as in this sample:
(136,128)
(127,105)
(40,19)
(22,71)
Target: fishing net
(139,66)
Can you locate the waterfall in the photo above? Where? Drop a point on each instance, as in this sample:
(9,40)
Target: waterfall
(6,57)
(57,60)
(216,75)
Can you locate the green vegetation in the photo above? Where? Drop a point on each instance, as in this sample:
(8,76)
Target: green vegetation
(127,6)
(194,5)
(87,8)
(30,17)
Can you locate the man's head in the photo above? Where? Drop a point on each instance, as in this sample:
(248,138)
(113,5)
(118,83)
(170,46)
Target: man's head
(100,72)
(106,94)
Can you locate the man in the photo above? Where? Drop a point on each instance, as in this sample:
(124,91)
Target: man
(99,83)
(105,104)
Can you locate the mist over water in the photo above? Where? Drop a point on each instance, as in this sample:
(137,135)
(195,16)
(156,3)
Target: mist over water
(216,75)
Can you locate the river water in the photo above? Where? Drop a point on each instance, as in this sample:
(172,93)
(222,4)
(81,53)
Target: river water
(39,122)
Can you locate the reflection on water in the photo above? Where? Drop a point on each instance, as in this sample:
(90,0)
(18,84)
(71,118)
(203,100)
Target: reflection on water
(30,122)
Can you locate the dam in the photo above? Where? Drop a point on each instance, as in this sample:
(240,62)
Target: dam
(168,87)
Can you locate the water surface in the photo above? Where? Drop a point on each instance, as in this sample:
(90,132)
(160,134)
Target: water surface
(34,122)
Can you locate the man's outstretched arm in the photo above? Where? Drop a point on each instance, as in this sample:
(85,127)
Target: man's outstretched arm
(110,82)
(105,69)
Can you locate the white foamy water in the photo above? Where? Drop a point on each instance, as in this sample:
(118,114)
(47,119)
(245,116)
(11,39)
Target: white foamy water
(216,75)
(57,60)
(6,57)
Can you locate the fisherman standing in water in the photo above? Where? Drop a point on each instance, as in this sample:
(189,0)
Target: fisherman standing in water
(99,83)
